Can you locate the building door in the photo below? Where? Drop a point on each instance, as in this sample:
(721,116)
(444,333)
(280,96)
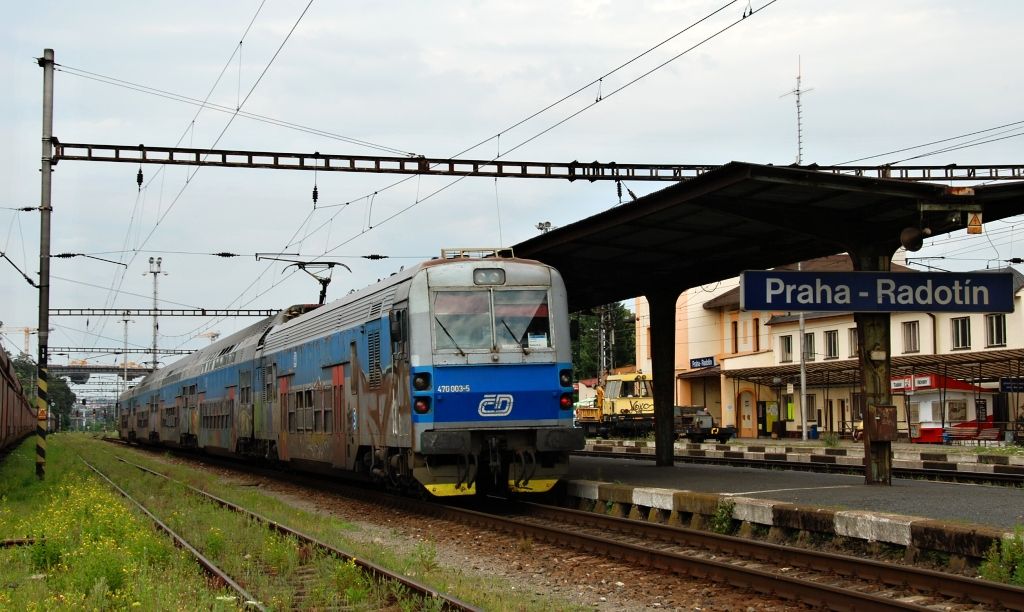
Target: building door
(747,424)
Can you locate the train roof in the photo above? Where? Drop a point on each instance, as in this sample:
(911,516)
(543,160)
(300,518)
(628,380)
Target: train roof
(303,320)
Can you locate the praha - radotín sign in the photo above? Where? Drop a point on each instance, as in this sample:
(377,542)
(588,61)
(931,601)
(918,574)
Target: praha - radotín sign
(877,291)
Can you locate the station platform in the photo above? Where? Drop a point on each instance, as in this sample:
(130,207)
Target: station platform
(962,520)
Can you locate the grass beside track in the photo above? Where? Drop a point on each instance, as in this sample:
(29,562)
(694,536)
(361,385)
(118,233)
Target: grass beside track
(267,564)
(91,550)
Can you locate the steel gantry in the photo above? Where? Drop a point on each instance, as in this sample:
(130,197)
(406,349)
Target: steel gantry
(64,350)
(163,312)
(574,170)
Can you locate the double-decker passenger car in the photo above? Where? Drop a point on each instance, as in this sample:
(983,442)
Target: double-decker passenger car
(454,375)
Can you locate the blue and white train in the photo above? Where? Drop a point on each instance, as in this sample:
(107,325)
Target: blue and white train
(453,376)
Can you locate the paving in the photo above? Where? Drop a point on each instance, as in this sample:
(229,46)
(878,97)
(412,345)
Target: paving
(957,518)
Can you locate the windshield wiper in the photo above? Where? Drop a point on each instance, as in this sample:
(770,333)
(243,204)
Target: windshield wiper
(447,333)
(513,336)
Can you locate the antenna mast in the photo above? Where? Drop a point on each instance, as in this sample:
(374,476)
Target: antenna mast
(799,113)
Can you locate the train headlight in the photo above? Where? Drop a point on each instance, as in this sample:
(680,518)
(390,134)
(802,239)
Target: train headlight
(488,276)
(421,405)
(565,402)
(565,378)
(421,382)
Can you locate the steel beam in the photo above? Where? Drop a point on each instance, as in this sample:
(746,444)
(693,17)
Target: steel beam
(57,350)
(571,171)
(163,312)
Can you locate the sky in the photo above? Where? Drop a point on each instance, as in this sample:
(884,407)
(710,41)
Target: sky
(443,79)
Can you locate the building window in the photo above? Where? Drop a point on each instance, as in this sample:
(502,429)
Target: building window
(735,337)
(911,337)
(915,412)
(995,330)
(809,346)
(853,342)
(832,344)
(956,410)
(786,349)
(811,409)
(757,334)
(857,406)
(961,333)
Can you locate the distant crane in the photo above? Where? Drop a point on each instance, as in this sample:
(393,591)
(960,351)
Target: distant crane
(28,331)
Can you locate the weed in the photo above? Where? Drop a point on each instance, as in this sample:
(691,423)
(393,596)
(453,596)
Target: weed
(424,556)
(281,553)
(1005,560)
(214,541)
(525,544)
(721,520)
(830,439)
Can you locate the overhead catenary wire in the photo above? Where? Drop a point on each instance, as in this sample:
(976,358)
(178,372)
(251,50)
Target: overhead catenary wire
(207,105)
(378,223)
(928,144)
(560,122)
(563,120)
(252,89)
(160,172)
(531,116)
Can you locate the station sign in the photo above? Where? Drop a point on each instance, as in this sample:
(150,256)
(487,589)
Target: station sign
(877,291)
(702,362)
(1011,385)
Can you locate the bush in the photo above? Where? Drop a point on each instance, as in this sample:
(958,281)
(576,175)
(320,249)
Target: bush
(830,439)
(721,520)
(1005,560)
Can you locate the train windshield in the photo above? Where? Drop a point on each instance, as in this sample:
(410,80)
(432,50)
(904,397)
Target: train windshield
(488,318)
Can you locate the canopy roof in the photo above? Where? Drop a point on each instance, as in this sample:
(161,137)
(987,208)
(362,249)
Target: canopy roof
(745,216)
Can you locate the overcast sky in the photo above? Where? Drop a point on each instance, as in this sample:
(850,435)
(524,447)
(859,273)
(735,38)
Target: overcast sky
(435,79)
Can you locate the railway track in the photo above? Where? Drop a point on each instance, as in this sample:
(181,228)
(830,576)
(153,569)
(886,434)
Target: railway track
(1015,479)
(819,579)
(813,578)
(303,576)
(823,579)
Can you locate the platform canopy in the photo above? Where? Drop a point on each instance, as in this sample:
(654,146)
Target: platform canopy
(745,216)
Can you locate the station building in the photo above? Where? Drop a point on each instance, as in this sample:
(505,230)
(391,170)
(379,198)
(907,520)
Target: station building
(743,366)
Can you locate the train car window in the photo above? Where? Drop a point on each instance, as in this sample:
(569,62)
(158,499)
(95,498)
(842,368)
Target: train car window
(462,320)
(245,387)
(292,421)
(614,389)
(397,321)
(327,402)
(521,318)
(307,406)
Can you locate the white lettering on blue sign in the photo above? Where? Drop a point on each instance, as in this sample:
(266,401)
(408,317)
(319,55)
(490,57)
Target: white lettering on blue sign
(877,291)
(807,294)
(889,293)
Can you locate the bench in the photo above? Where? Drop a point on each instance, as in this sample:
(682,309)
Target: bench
(959,435)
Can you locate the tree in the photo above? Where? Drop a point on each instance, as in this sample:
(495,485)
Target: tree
(586,349)
(61,398)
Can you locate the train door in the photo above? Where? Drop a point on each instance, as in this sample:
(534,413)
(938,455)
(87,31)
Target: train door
(189,418)
(264,415)
(747,424)
(243,422)
(351,407)
(288,420)
(337,421)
